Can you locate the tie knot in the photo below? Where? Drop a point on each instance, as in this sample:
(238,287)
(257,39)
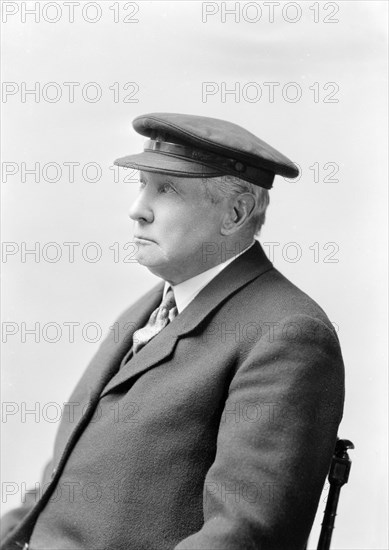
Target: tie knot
(169,301)
(157,321)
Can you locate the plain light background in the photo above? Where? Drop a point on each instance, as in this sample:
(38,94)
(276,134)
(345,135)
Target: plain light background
(170,52)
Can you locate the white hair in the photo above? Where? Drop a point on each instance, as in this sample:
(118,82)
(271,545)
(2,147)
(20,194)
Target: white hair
(230,187)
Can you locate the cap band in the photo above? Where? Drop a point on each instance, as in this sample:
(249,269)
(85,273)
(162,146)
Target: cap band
(257,176)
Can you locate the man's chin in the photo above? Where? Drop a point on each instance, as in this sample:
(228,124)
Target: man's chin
(144,259)
(147,258)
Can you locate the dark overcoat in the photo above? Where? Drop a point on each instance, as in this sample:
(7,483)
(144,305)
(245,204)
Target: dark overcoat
(218,434)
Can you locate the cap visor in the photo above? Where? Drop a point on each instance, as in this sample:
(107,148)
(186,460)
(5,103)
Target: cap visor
(166,164)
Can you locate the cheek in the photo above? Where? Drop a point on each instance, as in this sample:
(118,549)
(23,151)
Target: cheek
(175,224)
(186,228)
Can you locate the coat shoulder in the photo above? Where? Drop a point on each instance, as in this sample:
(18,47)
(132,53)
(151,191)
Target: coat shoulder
(274,294)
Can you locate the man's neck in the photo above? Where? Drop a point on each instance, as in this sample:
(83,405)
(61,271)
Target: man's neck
(213,255)
(187,290)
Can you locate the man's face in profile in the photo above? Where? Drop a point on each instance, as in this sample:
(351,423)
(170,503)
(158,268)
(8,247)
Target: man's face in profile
(174,218)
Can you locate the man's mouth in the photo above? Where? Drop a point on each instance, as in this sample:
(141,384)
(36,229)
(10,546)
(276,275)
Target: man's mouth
(142,239)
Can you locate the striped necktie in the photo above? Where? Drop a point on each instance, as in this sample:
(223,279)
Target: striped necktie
(157,321)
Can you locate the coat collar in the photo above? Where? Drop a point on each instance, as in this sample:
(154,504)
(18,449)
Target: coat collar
(186,291)
(244,269)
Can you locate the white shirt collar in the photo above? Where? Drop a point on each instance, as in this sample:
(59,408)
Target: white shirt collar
(186,291)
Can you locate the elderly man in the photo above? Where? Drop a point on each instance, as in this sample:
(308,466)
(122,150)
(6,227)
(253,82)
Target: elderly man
(210,421)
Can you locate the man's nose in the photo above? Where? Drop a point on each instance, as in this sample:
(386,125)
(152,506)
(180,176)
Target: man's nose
(141,209)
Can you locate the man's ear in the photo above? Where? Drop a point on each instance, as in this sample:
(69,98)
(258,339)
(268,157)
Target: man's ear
(239,212)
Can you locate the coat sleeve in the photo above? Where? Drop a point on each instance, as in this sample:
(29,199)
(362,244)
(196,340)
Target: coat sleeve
(11,519)
(275,441)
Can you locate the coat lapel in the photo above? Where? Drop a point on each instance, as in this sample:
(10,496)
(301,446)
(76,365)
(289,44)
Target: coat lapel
(248,266)
(107,361)
(104,366)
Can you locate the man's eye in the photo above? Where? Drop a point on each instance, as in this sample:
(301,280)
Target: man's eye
(166,188)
